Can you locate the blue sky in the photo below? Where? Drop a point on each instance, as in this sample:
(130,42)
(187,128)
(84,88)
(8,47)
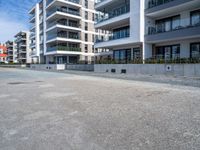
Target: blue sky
(14,17)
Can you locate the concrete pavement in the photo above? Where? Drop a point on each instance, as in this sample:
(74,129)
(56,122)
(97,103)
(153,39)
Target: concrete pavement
(55,111)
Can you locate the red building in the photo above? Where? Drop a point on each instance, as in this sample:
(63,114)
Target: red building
(3,54)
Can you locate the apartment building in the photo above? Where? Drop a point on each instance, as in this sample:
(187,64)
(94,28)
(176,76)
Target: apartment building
(172,29)
(3,53)
(22,46)
(37,33)
(11,52)
(147,30)
(68,30)
(123,23)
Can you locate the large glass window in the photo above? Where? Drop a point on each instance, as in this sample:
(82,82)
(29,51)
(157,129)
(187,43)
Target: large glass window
(195,50)
(122,56)
(195,17)
(121,32)
(175,51)
(136,53)
(168,24)
(170,52)
(175,22)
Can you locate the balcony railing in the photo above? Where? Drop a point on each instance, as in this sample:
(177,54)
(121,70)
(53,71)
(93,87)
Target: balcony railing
(98,1)
(65,23)
(68,36)
(32,53)
(65,10)
(73,1)
(161,29)
(63,48)
(113,37)
(112,14)
(31,17)
(154,3)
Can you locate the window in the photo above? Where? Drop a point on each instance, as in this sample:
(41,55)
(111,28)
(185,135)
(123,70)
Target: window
(86,48)
(195,50)
(86,15)
(86,26)
(168,24)
(168,52)
(93,16)
(136,53)
(121,32)
(86,3)
(195,17)
(86,37)
(122,56)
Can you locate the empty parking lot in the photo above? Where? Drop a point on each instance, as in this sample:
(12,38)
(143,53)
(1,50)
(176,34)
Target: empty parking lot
(60,111)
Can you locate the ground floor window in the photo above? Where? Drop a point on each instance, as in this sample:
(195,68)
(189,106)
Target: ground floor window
(195,50)
(170,52)
(136,53)
(122,56)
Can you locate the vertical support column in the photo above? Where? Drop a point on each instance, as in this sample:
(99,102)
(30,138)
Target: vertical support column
(37,30)
(67,59)
(44,29)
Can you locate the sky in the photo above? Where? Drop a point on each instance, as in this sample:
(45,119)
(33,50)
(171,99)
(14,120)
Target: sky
(14,17)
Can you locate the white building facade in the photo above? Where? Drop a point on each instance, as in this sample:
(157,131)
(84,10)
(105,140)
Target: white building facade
(37,33)
(172,30)
(123,21)
(65,34)
(11,52)
(142,31)
(22,47)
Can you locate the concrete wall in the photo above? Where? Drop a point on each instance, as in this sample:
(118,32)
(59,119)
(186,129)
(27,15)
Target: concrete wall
(189,70)
(13,66)
(48,67)
(83,67)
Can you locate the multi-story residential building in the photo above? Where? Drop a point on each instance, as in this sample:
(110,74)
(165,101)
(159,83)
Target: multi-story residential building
(149,29)
(37,33)
(172,29)
(11,52)
(68,30)
(22,46)
(123,22)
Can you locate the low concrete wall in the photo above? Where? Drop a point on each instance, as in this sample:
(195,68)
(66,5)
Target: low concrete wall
(48,66)
(188,70)
(81,67)
(13,66)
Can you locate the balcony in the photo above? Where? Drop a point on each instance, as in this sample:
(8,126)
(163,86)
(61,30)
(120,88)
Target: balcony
(65,10)
(32,45)
(72,1)
(22,51)
(100,4)
(160,8)
(157,34)
(154,3)
(63,36)
(64,23)
(112,37)
(114,40)
(33,53)
(64,48)
(32,17)
(112,14)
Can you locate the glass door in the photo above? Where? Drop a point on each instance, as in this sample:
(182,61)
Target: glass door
(167,53)
(175,52)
